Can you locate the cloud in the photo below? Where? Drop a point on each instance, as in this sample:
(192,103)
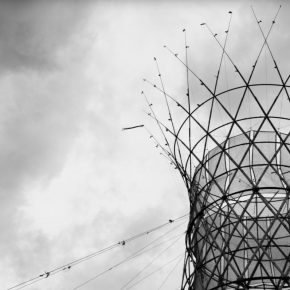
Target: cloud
(43,104)
(71,181)
(32,33)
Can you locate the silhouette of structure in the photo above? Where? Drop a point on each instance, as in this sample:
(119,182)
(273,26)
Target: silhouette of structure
(233,153)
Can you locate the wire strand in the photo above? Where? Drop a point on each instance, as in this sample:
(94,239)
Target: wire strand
(68,266)
(170,272)
(133,256)
(157,270)
(151,262)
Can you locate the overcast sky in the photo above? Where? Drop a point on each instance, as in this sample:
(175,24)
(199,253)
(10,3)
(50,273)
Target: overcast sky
(72,182)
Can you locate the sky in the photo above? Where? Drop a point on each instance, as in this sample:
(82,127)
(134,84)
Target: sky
(72,182)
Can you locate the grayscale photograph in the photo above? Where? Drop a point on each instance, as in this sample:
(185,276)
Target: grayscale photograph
(145,145)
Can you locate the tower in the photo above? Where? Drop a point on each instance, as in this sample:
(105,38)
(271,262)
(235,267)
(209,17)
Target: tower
(232,149)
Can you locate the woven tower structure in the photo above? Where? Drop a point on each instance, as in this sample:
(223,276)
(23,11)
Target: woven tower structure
(232,149)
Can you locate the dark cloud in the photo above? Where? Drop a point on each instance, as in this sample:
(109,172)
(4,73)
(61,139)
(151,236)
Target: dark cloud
(32,32)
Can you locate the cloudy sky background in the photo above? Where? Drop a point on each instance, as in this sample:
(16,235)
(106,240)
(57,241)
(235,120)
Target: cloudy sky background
(70,78)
